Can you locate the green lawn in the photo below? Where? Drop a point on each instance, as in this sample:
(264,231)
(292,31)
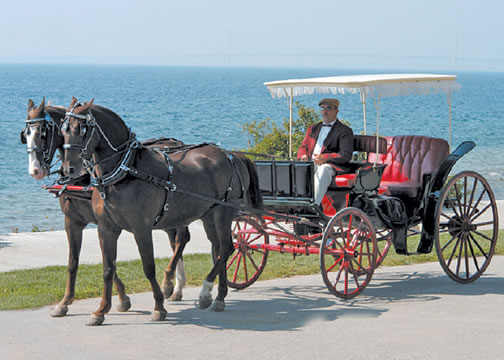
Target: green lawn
(34,288)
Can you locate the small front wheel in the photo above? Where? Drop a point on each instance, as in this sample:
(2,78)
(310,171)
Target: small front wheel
(247,263)
(348,253)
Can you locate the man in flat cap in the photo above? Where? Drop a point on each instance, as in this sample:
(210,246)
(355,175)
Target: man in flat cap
(329,144)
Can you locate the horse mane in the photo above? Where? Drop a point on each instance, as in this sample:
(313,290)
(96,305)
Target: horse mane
(99,111)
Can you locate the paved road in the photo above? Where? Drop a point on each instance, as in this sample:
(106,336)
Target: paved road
(407,312)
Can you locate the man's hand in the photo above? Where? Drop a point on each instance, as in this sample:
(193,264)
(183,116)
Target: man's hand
(304,158)
(319,159)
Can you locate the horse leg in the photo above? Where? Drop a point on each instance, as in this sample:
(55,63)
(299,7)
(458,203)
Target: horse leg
(124,300)
(205,297)
(145,247)
(108,243)
(178,239)
(74,237)
(223,221)
(218,230)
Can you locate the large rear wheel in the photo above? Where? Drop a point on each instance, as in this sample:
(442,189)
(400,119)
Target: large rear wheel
(467,226)
(247,263)
(348,253)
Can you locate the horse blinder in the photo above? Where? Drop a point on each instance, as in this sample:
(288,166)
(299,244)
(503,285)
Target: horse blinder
(23,136)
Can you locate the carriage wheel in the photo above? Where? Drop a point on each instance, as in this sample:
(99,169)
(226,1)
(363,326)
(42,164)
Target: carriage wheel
(348,253)
(247,263)
(466,226)
(383,241)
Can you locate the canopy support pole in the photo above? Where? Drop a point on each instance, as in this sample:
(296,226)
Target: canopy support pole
(377,106)
(449,119)
(363,101)
(290,123)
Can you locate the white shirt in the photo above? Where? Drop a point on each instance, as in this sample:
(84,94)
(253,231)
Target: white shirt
(324,131)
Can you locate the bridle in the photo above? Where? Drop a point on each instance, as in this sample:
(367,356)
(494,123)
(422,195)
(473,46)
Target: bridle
(47,125)
(88,124)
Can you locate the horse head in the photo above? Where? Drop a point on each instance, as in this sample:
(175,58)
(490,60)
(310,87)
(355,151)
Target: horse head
(79,142)
(42,137)
(90,132)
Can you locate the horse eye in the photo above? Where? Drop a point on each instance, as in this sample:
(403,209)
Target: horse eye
(83,131)
(43,132)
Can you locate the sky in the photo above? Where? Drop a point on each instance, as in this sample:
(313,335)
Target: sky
(458,35)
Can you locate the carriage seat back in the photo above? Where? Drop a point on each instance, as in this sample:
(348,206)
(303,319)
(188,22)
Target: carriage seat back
(361,143)
(408,159)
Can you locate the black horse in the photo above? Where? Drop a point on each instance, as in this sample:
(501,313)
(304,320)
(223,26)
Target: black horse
(42,137)
(138,189)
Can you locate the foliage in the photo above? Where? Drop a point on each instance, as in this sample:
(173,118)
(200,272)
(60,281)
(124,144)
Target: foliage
(270,138)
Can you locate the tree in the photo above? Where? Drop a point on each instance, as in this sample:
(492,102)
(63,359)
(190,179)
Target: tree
(269,138)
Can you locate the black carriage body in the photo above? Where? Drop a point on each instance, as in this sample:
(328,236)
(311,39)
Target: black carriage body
(285,182)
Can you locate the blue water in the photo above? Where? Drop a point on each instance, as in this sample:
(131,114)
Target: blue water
(210,105)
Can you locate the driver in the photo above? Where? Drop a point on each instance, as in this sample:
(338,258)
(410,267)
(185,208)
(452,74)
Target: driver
(329,144)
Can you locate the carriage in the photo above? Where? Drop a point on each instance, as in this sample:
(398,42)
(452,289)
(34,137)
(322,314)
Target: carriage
(397,194)
(400,192)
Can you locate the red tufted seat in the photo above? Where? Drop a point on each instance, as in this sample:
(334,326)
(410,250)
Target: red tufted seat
(408,158)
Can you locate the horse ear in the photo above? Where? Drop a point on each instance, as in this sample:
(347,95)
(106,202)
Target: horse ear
(72,103)
(42,104)
(30,104)
(87,105)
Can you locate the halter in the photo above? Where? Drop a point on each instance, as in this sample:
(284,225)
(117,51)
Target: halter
(48,124)
(128,148)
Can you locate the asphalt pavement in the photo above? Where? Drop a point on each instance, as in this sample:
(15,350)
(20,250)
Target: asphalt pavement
(406,312)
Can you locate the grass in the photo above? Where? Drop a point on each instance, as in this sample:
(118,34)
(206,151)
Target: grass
(33,288)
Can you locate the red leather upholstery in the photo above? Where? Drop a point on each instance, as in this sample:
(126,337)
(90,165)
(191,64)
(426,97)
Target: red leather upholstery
(408,158)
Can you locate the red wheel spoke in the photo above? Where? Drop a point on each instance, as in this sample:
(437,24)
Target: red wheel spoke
(336,262)
(252,261)
(354,273)
(235,275)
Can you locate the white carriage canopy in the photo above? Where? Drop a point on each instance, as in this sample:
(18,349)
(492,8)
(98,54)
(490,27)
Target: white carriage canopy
(375,86)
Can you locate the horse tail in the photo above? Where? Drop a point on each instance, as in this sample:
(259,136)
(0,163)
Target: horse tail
(254,193)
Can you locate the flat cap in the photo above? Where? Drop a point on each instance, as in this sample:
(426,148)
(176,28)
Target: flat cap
(330,102)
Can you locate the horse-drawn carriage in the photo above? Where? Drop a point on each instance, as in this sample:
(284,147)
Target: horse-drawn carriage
(401,185)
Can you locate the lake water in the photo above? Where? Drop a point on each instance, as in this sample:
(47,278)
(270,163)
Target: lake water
(197,104)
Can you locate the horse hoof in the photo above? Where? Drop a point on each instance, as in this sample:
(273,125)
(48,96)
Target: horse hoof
(158,315)
(95,320)
(218,305)
(205,302)
(124,305)
(59,311)
(177,296)
(167,290)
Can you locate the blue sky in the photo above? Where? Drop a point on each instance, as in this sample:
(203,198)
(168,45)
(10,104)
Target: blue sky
(380,34)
